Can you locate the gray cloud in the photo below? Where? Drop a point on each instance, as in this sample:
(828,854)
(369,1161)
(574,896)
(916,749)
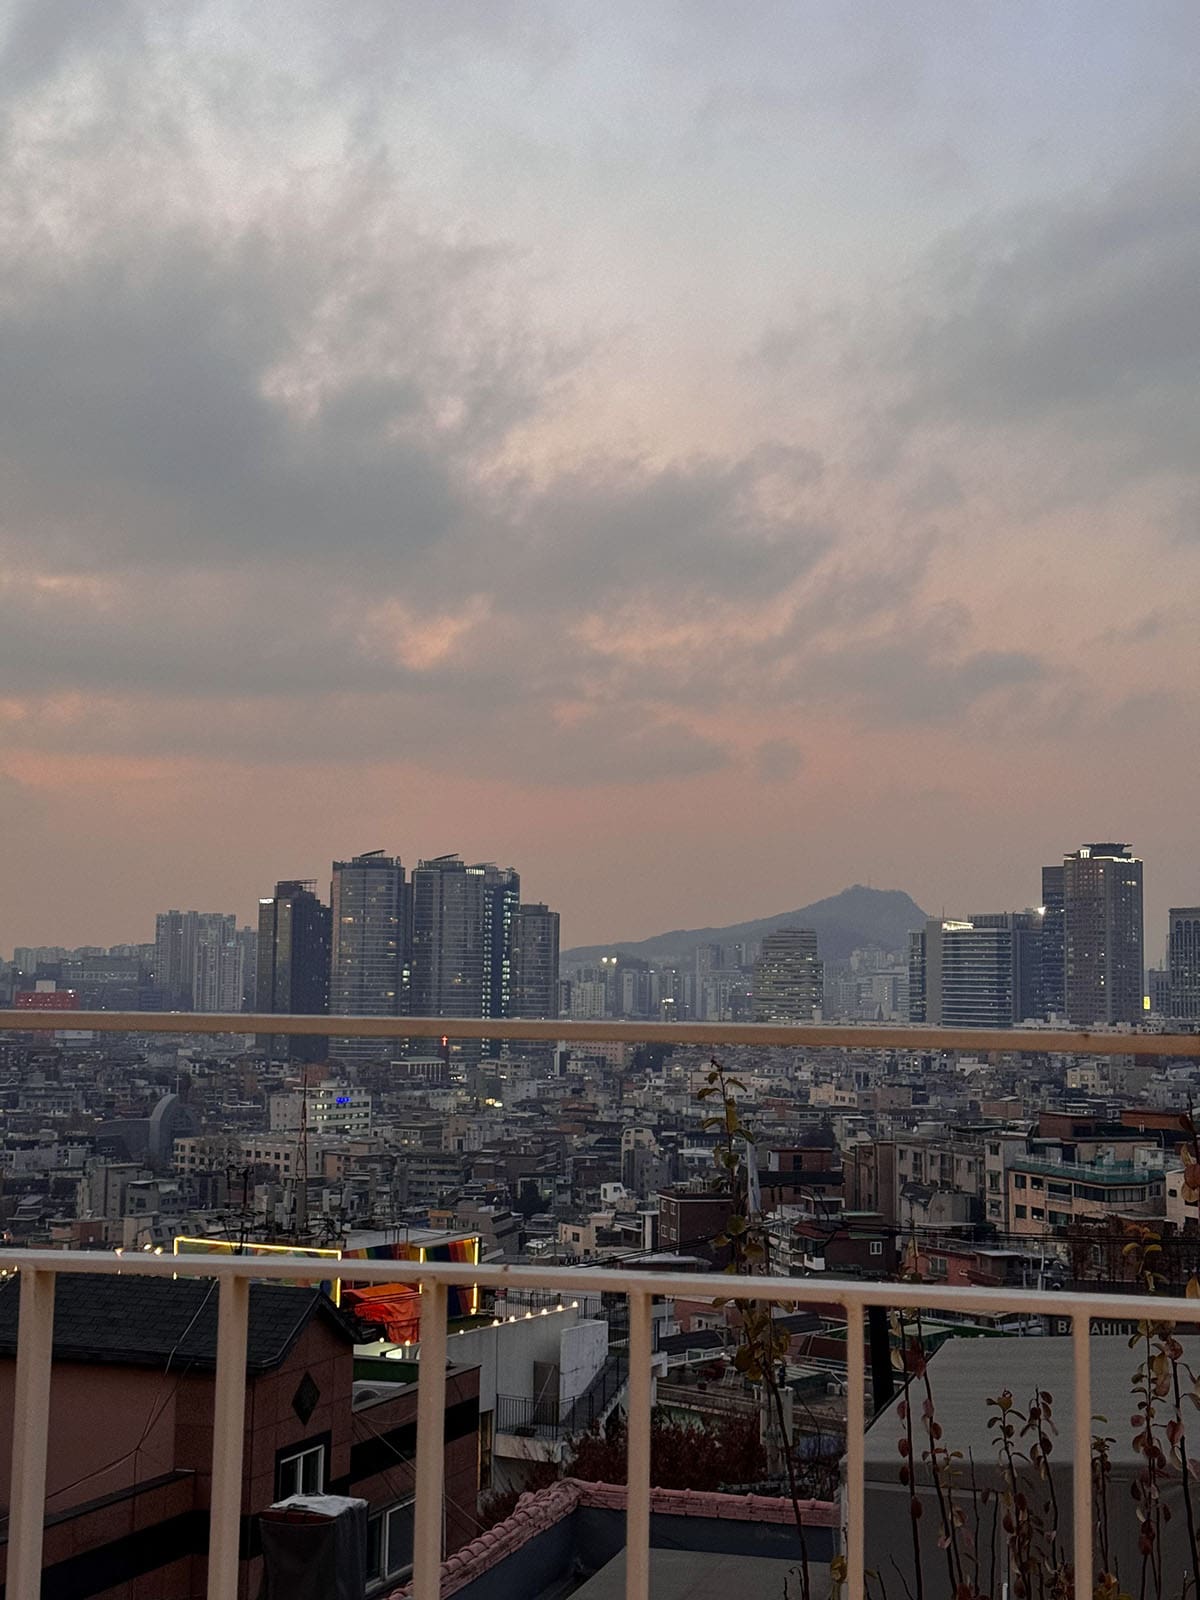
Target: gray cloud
(21,807)
(280,418)
(699,524)
(43,35)
(926,676)
(1083,315)
(1184,523)
(778,761)
(435,729)
(139,419)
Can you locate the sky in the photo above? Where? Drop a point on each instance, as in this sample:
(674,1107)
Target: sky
(704,455)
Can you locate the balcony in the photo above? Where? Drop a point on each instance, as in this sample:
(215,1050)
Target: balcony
(556,1420)
(1089,1171)
(40,1270)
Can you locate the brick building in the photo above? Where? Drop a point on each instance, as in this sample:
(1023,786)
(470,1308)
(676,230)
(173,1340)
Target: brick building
(129,1464)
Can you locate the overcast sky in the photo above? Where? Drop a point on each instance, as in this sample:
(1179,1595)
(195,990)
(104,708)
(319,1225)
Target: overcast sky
(702,454)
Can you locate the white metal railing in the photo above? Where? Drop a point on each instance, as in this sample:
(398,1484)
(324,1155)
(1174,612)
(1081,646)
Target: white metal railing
(38,1270)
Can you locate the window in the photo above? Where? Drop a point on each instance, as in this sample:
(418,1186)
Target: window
(390,1541)
(1018,1180)
(1019,1213)
(302,1473)
(876,1247)
(375,1547)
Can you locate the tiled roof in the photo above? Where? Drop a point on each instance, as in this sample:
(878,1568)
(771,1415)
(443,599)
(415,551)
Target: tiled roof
(135,1320)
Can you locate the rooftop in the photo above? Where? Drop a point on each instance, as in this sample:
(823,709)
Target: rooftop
(142,1321)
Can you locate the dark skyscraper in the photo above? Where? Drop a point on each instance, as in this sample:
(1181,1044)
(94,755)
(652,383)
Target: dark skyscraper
(1103,961)
(293,965)
(1183,964)
(449,926)
(501,907)
(369,970)
(917,956)
(535,972)
(464,926)
(1053,943)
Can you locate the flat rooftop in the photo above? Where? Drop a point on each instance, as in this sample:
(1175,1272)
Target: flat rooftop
(702,1575)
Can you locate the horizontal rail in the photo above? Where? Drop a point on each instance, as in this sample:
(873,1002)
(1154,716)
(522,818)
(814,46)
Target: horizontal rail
(795,1036)
(572,1280)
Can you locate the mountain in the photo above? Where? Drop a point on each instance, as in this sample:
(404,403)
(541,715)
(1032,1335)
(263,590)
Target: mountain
(856,919)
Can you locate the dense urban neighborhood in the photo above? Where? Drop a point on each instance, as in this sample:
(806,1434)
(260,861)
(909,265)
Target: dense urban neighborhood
(1024,1169)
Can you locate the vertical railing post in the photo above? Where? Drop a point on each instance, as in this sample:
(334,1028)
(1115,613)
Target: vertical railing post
(1081,1343)
(431,1445)
(856,1422)
(229,1432)
(637,1475)
(31,1425)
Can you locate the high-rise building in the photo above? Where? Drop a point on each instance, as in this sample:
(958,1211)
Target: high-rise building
(218,965)
(1183,963)
(369,948)
(788,982)
(917,1005)
(535,974)
(977,972)
(1158,990)
(293,965)
(247,937)
(501,909)
(172,959)
(1103,945)
(1053,942)
(199,961)
(1025,930)
(451,950)
(464,942)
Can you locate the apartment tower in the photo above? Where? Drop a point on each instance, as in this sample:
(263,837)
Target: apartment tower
(293,965)
(788,977)
(369,951)
(1103,961)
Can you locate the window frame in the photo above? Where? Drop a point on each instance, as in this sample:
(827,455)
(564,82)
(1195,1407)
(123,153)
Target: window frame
(294,1457)
(379,1518)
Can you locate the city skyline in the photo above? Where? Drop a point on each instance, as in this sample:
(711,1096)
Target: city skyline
(613,441)
(1155,938)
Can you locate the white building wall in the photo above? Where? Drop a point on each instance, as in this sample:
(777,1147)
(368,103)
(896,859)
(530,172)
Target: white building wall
(583,1350)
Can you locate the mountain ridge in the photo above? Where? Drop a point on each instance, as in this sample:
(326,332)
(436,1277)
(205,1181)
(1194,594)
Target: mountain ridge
(857,918)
